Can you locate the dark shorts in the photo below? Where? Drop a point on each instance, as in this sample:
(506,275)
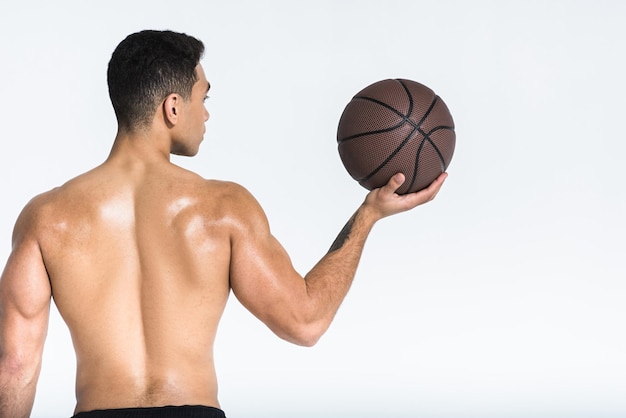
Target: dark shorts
(157,412)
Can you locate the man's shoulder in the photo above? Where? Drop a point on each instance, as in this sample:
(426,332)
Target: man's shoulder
(230,198)
(36,214)
(225,188)
(45,203)
(41,203)
(48,208)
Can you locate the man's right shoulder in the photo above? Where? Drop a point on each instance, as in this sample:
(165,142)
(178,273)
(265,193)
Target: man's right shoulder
(233,198)
(225,190)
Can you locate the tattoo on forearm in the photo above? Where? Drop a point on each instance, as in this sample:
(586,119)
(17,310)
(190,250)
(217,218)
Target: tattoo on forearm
(343,236)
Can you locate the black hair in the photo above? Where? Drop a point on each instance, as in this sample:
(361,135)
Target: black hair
(145,68)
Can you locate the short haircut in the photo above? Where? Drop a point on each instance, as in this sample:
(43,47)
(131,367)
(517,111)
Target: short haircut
(145,68)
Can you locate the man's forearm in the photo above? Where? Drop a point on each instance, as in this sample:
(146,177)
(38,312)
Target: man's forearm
(17,390)
(343,235)
(329,281)
(301,311)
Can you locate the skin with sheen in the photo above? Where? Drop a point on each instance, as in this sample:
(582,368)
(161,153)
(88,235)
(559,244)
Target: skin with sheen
(140,256)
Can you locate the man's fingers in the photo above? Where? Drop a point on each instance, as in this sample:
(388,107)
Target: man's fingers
(394,183)
(431,191)
(438,182)
(386,202)
(397,180)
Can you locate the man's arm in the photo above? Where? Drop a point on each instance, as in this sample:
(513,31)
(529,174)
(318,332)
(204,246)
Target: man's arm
(24,311)
(300,309)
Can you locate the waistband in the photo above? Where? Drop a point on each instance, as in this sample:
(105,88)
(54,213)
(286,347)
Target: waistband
(186,411)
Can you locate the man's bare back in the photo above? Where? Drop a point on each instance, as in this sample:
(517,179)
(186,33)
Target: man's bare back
(140,256)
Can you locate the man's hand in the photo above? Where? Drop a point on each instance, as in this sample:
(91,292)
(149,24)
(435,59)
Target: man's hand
(385,201)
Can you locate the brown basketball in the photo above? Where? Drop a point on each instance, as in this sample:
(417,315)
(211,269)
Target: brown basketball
(396,126)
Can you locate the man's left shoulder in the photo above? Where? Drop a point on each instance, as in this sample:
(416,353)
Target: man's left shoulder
(36,214)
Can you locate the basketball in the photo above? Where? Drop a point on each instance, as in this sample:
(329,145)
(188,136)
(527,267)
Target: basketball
(396,126)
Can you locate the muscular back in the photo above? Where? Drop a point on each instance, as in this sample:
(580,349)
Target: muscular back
(138,259)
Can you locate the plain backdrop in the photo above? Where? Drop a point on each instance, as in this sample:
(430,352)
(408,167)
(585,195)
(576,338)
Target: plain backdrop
(505,297)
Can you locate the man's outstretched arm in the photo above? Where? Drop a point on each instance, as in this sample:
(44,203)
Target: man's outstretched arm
(300,309)
(24,311)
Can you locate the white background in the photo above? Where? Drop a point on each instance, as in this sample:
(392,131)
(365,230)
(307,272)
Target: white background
(505,297)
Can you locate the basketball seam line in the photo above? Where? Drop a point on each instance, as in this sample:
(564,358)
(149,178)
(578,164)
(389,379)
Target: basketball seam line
(426,138)
(393,154)
(435,147)
(388,107)
(417,161)
(406,140)
(404,119)
(380,131)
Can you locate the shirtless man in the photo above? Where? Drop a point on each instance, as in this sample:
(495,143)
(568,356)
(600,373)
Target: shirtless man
(140,255)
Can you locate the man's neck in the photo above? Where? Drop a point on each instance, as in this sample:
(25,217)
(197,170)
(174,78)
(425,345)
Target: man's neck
(145,145)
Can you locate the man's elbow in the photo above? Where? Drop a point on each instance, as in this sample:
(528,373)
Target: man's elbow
(307,339)
(17,368)
(305,334)
(11,364)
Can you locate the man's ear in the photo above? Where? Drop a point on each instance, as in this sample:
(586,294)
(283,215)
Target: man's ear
(171,108)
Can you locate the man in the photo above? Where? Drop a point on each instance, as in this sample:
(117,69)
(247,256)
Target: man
(140,255)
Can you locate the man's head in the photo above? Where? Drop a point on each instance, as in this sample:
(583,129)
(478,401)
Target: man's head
(145,68)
